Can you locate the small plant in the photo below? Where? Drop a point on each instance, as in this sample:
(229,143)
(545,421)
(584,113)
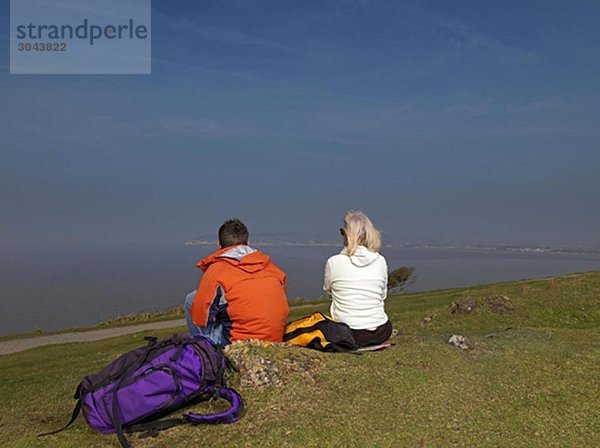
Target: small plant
(399,278)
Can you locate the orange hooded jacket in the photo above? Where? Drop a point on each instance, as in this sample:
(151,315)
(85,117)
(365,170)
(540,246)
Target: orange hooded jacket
(244,291)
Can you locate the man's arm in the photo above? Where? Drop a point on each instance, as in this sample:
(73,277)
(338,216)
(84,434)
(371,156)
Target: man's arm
(284,281)
(205,296)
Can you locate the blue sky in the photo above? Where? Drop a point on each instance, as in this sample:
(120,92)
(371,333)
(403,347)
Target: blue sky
(462,121)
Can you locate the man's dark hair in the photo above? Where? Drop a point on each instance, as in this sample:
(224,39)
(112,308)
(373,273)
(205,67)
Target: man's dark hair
(233,232)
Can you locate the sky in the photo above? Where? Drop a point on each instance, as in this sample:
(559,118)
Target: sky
(451,122)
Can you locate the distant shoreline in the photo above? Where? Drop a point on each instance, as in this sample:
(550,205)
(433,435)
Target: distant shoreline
(533,250)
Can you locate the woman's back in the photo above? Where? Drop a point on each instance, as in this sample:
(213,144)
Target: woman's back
(358,287)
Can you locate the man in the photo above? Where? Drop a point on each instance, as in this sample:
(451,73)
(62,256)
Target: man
(241,294)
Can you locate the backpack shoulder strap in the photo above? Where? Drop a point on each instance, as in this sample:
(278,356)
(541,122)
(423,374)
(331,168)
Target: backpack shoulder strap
(233,414)
(74,414)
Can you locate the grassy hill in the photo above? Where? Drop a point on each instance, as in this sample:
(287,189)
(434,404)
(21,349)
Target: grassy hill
(532,379)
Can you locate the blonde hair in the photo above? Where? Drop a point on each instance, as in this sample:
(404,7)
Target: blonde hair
(360,231)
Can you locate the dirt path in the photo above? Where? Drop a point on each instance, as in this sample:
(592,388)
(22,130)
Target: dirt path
(18,345)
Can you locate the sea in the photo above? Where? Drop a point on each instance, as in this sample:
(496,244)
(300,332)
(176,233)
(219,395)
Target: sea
(70,287)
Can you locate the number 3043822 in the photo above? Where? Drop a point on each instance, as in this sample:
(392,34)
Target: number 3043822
(42,46)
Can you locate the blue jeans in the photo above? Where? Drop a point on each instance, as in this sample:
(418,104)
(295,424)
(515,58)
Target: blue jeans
(213,331)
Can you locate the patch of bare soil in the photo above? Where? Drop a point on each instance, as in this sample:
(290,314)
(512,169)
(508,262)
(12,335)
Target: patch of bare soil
(499,304)
(496,304)
(464,306)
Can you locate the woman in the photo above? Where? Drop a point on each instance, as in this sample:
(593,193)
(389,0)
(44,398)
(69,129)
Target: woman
(356,280)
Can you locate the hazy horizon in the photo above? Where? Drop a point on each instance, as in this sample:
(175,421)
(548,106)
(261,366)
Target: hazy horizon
(448,122)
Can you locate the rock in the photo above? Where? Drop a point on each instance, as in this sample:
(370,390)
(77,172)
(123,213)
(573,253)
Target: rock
(499,304)
(464,306)
(459,341)
(427,320)
(266,364)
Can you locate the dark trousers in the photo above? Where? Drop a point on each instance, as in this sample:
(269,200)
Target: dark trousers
(381,334)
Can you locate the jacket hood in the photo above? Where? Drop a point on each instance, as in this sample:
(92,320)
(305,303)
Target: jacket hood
(243,257)
(362,256)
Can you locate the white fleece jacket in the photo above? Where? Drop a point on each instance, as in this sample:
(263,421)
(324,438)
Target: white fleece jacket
(357,285)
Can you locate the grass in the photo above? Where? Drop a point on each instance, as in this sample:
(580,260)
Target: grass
(531,380)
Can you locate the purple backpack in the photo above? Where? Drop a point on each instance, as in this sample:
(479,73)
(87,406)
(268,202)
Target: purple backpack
(152,381)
